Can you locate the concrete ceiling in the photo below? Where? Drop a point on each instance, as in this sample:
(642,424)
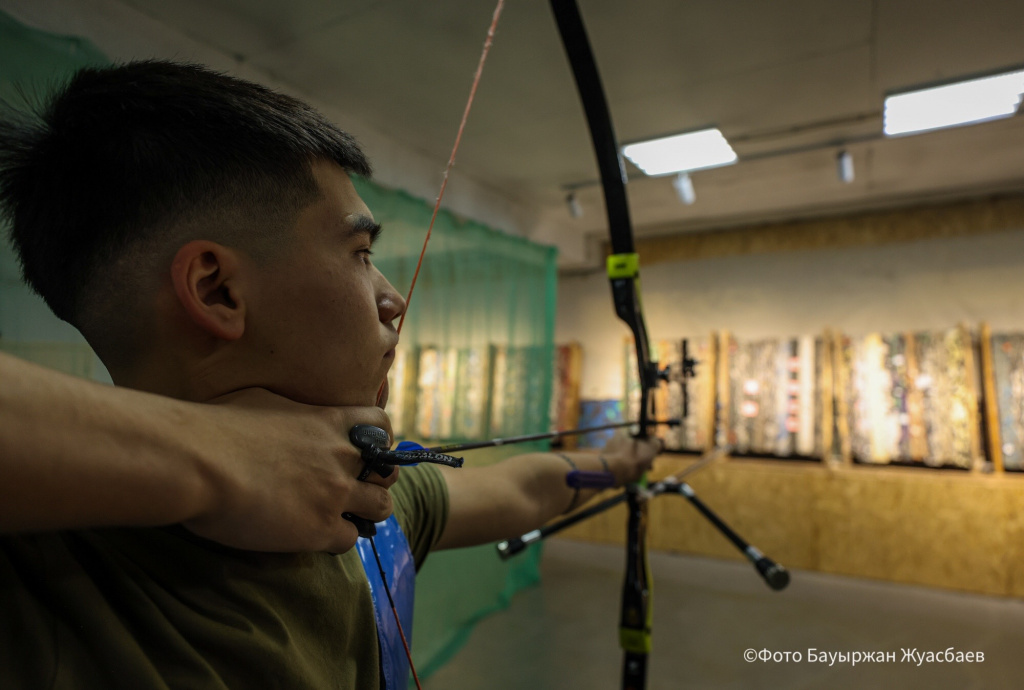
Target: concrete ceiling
(789,82)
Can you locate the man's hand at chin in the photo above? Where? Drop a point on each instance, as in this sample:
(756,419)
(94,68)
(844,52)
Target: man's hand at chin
(278,474)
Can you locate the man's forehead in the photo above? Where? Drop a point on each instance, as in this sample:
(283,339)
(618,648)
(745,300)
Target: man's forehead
(334,180)
(339,196)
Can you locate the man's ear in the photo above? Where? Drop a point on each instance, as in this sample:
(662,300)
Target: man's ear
(207,282)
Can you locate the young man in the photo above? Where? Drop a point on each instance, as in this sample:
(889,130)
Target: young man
(202,232)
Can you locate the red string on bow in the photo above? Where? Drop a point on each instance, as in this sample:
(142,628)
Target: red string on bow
(437,207)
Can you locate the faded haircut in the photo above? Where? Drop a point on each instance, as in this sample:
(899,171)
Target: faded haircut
(102,183)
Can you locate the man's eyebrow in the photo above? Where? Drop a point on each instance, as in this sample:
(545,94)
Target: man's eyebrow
(364,225)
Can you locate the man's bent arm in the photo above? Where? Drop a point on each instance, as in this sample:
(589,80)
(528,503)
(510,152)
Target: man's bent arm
(257,472)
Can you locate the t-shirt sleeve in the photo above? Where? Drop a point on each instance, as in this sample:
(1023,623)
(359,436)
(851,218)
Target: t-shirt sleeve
(421,505)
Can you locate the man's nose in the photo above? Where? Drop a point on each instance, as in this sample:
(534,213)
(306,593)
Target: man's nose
(390,304)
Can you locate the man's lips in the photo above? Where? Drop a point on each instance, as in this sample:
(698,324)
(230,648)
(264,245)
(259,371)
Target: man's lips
(394,343)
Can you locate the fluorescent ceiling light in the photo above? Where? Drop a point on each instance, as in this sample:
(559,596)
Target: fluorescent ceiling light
(706,148)
(965,102)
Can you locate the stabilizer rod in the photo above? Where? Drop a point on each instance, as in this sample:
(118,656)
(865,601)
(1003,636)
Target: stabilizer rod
(511,547)
(776,576)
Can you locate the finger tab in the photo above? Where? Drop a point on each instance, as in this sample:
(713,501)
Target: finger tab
(366,436)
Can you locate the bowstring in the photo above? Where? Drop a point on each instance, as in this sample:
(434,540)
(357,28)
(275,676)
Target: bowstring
(430,228)
(455,149)
(394,610)
(448,168)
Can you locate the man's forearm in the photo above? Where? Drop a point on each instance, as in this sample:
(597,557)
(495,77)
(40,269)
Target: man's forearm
(513,496)
(75,453)
(523,492)
(541,477)
(251,470)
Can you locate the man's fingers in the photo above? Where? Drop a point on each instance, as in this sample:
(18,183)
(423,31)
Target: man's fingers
(378,418)
(369,501)
(343,539)
(373,416)
(650,448)
(346,419)
(286,473)
(385,482)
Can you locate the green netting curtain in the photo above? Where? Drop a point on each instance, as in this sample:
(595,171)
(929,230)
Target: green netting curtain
(484,299)
(31,62)
(485,292)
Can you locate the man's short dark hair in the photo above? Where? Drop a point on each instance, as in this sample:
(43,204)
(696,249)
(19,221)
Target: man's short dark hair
(123,159)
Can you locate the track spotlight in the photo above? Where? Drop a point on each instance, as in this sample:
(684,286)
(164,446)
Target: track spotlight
(575,210)
(684,188)
(844,166)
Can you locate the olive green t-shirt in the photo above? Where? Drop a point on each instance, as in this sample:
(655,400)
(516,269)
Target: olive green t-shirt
(162,608)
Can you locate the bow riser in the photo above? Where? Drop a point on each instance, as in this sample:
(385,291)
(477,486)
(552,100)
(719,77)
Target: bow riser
(624,275)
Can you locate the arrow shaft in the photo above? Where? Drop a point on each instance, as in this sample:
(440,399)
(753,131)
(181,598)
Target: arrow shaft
(473,445)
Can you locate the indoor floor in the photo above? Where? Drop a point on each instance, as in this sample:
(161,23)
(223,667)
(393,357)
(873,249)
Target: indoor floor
(708,612)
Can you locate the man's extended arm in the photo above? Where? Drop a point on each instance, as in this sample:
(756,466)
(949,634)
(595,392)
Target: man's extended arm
(524,492)
(257,471)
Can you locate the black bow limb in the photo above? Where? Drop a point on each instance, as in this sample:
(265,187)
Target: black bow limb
(624,275)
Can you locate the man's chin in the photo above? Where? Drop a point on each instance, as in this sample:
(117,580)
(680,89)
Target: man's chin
(350,398)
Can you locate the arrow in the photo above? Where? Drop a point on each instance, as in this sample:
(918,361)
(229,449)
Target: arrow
(473,445)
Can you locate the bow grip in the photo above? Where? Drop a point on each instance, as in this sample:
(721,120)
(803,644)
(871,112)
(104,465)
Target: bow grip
(580,479)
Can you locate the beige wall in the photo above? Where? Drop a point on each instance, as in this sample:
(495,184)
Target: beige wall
(927,268)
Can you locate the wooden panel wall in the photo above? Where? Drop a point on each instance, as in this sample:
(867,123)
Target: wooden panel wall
(949,529)
(876,228)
